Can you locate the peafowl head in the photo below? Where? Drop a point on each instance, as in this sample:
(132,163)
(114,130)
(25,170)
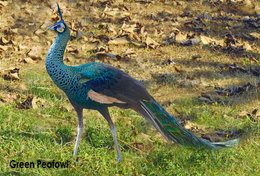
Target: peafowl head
(60,26)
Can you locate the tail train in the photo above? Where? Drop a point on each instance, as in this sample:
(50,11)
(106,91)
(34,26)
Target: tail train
(172,130)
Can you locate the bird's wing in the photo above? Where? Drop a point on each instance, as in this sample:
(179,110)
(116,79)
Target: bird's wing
(109,82)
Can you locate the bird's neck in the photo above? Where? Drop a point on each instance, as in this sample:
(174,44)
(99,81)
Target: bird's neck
(58,71)
(57,49)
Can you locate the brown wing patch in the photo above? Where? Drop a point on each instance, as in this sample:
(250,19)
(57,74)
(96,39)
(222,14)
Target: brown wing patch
(100,98)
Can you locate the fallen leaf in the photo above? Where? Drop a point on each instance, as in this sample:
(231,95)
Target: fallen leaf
(5,47)
(118,41)
(22,87)
(179,38)
(111,28)
(207,41)
(26,104)
(4,41)
(115,13)
(235,90)
(39,31)
(27,60)
(129,28)
(151,43)
(35,53)
(38,103)
(4,3)
(10,98)
(72,49)
(128,54)
(255,34)
(11,73)
(247,46)
(137,43)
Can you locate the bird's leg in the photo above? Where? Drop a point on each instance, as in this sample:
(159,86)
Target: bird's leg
(80,129)
(112,127)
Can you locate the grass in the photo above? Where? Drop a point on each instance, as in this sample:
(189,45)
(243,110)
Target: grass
(28,135)
(47,130)
(25,137)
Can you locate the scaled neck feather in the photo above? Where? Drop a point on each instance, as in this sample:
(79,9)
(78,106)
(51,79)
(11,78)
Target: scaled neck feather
(57,49)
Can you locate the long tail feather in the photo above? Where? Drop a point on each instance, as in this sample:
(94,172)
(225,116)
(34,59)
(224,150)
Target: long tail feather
(172,130)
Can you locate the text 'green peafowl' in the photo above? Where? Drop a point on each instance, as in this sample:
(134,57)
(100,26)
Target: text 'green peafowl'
(98,86)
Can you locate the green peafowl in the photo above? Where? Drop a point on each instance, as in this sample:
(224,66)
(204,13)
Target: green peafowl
(98,86)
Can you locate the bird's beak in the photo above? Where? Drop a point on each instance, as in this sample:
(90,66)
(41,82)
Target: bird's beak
(51,27)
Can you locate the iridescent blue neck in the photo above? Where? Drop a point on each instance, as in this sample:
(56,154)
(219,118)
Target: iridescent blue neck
(55,67)
(57,49)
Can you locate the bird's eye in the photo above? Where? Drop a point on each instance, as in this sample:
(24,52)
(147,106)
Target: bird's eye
(60,28)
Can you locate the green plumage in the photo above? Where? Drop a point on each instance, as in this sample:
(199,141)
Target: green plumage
(177,133)
(98,86)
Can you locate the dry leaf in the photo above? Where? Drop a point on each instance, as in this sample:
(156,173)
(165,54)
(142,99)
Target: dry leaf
(137,43)
(115,13)
(129,28)
(72,49)
(247,46)
(4,41)
(145,138)
(179,38)
(22,87)
(151,43)
(235,90)
(39,31)
(118,41)
(27,60)
(111,28)
(35,53)
(26,104)
(255,34)
(38,103)
(11,73)
(10,98)
(207,41)
(4,3)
